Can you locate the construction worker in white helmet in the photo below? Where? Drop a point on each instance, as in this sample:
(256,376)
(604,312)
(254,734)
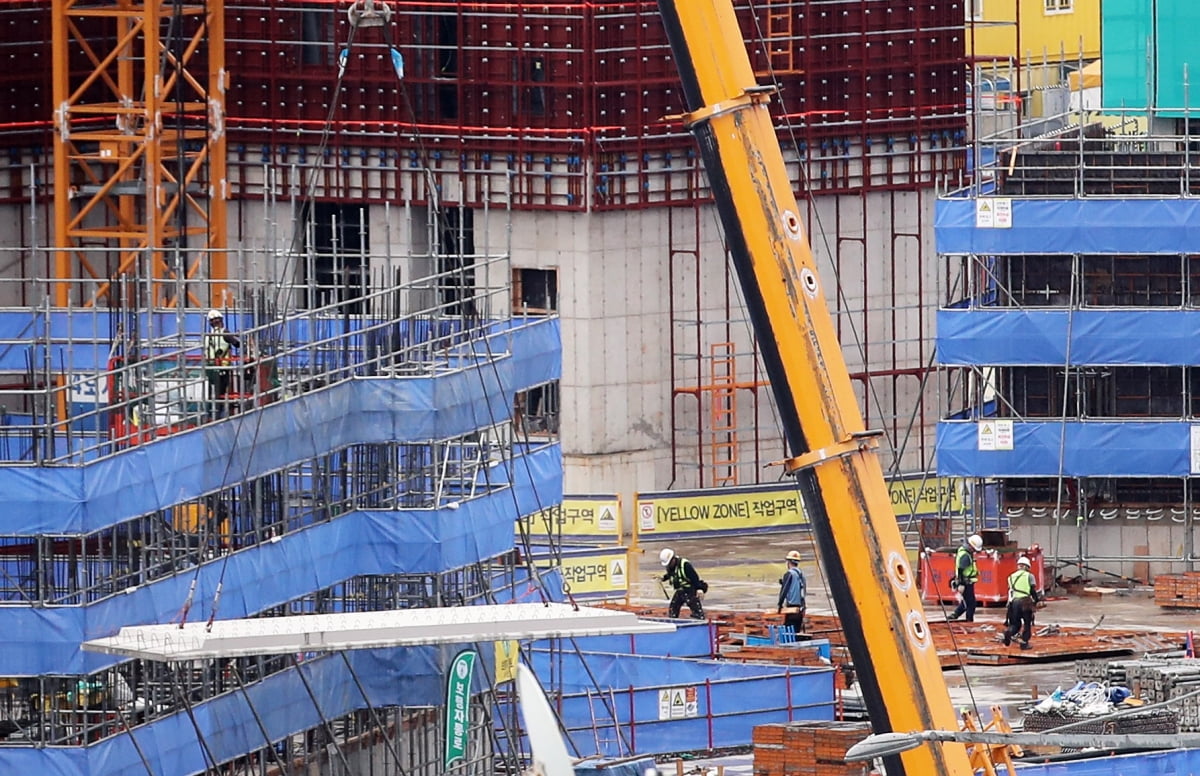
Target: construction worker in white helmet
(1023,599)
(218,367)
(792,590)
(966,574)
(689,587)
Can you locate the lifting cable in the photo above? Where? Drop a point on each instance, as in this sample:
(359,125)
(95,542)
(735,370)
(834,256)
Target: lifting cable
(262,727)
(894,445)
(376,720)
(1062,433)
(325,723)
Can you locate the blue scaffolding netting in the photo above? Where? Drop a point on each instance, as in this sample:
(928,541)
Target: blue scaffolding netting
(45,640)
(1025,337)
(61,500)
(1069,226)
(1050,448)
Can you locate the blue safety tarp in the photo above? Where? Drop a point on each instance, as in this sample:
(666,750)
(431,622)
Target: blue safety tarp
(665,704)
(1069,226)
(45,640)
(83,338)
(690,638)
(65,500)
(727,701)
(1182,762)
(228,725)
(1031,337)
(1049,448)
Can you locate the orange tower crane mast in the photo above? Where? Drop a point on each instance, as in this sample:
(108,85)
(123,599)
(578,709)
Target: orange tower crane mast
(835,464)
(139,148)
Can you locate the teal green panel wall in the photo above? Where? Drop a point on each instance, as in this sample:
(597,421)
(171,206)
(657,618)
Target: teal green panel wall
(1178,26)
(1125,28)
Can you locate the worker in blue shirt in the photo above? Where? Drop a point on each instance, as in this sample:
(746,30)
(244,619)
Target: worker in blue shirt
(966,574)
(792,591)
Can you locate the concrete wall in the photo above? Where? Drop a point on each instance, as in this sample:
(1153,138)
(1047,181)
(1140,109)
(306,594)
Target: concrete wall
(631,281)
(1102,540)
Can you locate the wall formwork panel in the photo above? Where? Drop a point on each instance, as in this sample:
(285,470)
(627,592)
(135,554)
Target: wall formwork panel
(539,89)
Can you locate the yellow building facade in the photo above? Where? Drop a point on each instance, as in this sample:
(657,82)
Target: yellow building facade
(1033,31)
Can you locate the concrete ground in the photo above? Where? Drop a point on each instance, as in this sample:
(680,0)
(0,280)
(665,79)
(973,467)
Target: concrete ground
(743,573)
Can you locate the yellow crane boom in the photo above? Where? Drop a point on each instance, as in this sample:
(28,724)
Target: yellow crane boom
(835,464)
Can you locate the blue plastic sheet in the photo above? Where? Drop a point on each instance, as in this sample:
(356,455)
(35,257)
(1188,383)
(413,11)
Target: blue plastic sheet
(1068,226)
(81,499)
(1004,337)
(46,640)
(89,333)
(722,702)
(411,676)
(1173,763)
(414,677)
(690,639)
(1048,448)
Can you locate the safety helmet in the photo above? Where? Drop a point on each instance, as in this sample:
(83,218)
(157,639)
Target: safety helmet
(793,555)
(976,542)
(1023,561)
(665,556)
(214,315)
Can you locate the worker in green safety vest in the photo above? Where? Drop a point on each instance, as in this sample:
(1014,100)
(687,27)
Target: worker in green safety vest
(1023,600)
(966,574)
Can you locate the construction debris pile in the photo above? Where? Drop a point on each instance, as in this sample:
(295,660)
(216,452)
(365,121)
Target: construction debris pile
(808,748)
(1154,680)
(1098,700)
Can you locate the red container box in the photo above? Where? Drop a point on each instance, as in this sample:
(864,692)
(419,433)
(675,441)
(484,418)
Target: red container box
(995,565)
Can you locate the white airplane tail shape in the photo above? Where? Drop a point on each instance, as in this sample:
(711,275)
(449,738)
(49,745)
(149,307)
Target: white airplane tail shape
(546,743)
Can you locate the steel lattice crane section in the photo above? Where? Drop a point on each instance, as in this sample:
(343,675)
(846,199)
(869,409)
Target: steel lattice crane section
(139,147)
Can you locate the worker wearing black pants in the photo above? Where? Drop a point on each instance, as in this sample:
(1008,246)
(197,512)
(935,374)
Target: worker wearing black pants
(1023,597)
(966,574)
(689,587)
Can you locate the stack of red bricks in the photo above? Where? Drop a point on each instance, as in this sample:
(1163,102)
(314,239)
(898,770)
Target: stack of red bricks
(1180,591)
(808,748)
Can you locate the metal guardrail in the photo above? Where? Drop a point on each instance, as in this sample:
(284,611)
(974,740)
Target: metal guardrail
(155,386)
(1110,153)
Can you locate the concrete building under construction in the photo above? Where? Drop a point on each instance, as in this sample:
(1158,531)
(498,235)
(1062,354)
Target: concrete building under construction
(441,234)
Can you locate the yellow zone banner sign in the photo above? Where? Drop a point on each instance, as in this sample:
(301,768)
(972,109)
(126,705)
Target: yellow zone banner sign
(591,518)
(927,496)
(776,507)
(679,513)
(602,572)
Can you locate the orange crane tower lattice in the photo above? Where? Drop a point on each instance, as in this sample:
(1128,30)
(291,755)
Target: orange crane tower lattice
(139,148)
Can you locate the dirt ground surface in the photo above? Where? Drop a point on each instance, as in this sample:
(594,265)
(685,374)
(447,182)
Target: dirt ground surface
(744,571)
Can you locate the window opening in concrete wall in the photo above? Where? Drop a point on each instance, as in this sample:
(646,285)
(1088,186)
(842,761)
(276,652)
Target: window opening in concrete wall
(456,260)
(336,265)
(535,291)
(535,412)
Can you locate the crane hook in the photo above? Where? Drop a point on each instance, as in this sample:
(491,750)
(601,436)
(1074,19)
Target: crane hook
(365,13)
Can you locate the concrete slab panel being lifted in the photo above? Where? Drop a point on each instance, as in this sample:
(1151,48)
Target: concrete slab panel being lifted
(367,630)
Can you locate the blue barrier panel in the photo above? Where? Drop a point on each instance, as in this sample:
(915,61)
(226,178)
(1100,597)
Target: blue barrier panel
(1069,226)
(667,704)
(1049,448)
(45,640)
(690,639)
(81,499)
(1009,336)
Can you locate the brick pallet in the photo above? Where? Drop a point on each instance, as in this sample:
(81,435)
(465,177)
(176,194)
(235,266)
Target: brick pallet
(807,748)
(1178,591)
